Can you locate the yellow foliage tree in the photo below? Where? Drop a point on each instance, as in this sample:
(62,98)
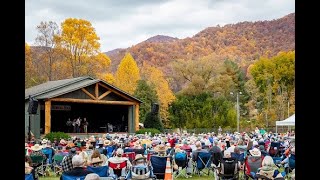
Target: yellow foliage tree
(28,66)
(80,39)
(165,95)
(107,77)
(98,64)
(127,74)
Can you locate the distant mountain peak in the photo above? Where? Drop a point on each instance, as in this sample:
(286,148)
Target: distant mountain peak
(161,38)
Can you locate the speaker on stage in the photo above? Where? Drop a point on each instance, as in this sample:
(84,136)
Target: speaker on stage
(33,106)
(154,108)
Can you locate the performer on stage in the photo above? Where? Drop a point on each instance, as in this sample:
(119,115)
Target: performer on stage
(85,125)
(74,125)
(110,127)
(69,125)
(78,123)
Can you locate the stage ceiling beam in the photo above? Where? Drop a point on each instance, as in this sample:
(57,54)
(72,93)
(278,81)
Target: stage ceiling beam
(115,92)
(87,92)
(89,101)
(104,95)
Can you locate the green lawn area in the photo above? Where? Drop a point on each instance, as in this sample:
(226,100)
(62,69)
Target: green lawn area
(194,177)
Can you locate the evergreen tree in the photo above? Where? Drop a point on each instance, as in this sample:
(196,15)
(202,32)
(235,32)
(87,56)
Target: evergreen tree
(147,94)
(153,121)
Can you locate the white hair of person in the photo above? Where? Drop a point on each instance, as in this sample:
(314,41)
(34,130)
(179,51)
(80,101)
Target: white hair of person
(198,144)
(92,176)
(268,161)
(77,161)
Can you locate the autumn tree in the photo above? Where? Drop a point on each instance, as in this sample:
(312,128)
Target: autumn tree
(98,65)
(202,111)
(275,79)
(108,77)
(156,77)
(47,32)
(29,68)
(147,94)
(81,41)
(127,74)
(198,75)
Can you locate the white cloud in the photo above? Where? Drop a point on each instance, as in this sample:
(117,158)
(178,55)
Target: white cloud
(121,24)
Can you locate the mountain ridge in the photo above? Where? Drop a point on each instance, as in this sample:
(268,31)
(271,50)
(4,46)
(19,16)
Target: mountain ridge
(242,42)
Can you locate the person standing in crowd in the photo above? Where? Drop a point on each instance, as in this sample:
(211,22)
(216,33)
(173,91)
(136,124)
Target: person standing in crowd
(85,125)
(219,130)
(257,131)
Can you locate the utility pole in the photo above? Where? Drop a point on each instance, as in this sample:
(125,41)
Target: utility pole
(288,107)
(237,110)
(269,102)
(238,113)
(29,124)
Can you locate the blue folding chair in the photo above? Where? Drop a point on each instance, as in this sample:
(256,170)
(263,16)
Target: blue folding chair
(110,151)
(181,160)
(238,157)
(29,177)
(66,177)
(48,152)
(102,171)
(203,162)
(138,151)
(125,150)
(158,164)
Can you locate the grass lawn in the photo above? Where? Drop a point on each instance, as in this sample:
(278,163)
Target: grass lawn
(194,177)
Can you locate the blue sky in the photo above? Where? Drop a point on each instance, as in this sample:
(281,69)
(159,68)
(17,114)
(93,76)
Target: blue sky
(124,23)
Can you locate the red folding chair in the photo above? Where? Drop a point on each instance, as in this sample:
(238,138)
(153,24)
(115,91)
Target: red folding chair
(129,155)
(117,167)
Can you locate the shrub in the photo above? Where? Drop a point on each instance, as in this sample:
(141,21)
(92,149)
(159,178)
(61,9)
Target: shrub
(152,130)
(57,135)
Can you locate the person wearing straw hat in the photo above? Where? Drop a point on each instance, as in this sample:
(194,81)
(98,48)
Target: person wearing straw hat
(106,143)
(36,150)
(254,161)
(161,150)
(96,154)
(140,169)
(96,162)
(139,160)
